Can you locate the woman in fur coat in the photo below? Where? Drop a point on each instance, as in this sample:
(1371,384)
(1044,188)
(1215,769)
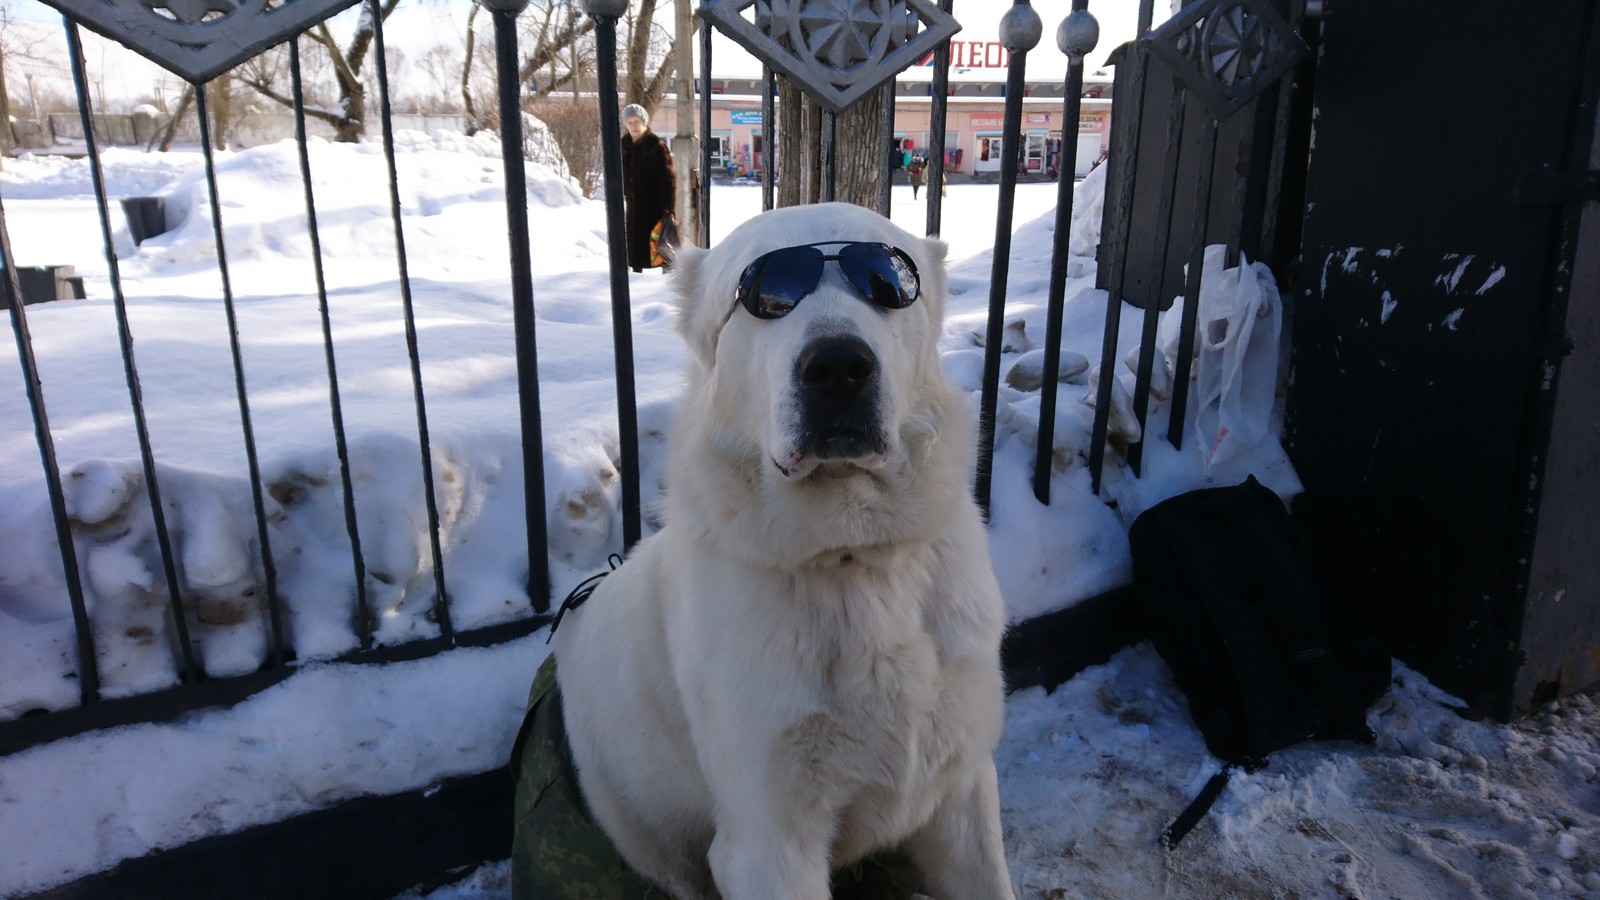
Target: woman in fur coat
(648,183)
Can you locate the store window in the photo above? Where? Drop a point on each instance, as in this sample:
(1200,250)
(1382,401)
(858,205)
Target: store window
(720,148)
(1033,161)
(986,154)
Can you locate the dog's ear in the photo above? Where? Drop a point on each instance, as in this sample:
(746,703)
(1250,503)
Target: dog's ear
(698,318)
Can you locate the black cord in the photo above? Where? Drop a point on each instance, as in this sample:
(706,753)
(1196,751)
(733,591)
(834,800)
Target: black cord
(581,593)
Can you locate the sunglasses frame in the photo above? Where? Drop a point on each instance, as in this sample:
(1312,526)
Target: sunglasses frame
(750,299)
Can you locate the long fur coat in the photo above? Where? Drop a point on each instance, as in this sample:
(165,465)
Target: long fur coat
(650,187)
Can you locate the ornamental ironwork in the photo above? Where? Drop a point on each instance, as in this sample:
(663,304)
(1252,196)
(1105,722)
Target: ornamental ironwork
(836,51)
(1228,51)
(199,39)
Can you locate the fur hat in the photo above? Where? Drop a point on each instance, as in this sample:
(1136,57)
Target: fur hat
(635,111)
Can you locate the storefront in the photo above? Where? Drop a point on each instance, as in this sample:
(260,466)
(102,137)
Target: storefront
(973,135)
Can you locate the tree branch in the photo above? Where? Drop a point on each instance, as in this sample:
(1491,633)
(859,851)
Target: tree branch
(547,52)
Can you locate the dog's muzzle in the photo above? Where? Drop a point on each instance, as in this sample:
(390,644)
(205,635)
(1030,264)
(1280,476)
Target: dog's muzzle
(837,385)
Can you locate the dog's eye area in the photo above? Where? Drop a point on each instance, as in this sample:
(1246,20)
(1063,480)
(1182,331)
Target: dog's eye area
(775,282)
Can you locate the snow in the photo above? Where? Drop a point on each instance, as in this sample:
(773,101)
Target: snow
(1090,774)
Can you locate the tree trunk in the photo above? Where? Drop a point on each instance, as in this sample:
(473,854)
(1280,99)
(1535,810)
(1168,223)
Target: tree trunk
(349,129)
(219,96)
(685,149)
(637,88)
(466,73)
(859,152)
(861,160)
(5,111)
(177,118)
(799,147)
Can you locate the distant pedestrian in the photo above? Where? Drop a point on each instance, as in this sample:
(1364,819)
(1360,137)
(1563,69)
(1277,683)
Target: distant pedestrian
(649,185)
(914,171)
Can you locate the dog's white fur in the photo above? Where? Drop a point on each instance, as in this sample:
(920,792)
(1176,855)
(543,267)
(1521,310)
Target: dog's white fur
(802,667)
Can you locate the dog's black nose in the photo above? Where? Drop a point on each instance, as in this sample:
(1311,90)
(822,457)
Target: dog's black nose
(838,367)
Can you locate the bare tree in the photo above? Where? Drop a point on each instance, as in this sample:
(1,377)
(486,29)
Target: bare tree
(348,114)
(170,130)
(5,107)
(649,58)
(19,47)
(219,108)
(440,63)
(557,34)
(467,102)
(575,129)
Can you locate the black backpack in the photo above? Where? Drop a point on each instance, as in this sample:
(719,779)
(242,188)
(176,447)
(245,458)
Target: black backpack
(1260,646)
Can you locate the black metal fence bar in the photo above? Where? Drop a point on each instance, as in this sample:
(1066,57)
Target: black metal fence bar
(441,602)
(830,156)
(1191,289)
(1147,10)
(1122,170)
(363,615)
(1077,36)
(1019,33)
(704,30)
(88,667)
(252,463)
(938,118)
(523,322)
(605,33)
(1241,187)
(188,665)
(769,137)
(886,145)
(1152,309)
(1284,97)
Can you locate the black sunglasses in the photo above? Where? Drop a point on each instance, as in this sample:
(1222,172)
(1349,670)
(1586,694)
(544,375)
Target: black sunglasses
(774,284)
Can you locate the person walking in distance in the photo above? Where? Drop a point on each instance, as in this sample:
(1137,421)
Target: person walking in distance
(914,171)
(649,185)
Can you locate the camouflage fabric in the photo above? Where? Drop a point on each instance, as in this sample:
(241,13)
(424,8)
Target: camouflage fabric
(559,853)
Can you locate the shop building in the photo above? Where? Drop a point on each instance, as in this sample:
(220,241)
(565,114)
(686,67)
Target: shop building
(974,121)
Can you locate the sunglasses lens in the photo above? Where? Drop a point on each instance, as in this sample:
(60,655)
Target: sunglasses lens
(772,285)
(881,272)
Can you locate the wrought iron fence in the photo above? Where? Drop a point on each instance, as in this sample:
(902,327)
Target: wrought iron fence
(1232,54)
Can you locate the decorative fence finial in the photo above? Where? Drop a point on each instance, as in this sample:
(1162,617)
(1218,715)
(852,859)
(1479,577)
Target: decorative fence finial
(836,51)
(1020,28)
(1228,51)
(198,39)
(1078,34)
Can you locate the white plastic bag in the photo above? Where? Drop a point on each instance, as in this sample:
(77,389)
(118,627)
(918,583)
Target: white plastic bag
(1236,358)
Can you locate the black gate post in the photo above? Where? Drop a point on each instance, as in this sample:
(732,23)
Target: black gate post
(606,13)
(509,86)
(1020,29)
(1078,34)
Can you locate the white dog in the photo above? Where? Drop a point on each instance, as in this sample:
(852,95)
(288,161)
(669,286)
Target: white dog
(802,667)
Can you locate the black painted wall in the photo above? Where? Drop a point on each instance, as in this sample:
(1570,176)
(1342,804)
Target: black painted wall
(1429,312)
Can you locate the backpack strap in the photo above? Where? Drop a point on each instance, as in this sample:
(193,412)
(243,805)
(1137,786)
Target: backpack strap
(1293,615)
(1197,809)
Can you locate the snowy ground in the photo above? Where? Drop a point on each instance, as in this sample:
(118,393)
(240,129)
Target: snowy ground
(1089,774)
